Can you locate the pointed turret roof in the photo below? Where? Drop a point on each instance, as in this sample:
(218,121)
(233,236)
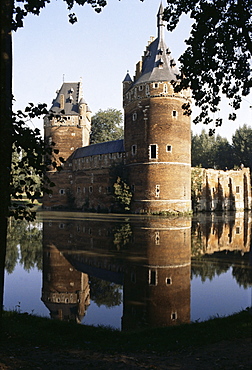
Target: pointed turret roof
(69,96)
(127,78)
(158,63)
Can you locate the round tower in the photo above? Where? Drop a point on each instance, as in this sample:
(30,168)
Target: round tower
(157,132)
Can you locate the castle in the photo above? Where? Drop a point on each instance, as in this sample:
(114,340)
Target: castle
(154,158)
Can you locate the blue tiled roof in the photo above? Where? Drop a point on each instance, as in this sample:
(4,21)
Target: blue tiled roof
(116,146)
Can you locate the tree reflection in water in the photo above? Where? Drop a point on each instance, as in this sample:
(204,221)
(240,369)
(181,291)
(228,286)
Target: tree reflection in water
(154,258)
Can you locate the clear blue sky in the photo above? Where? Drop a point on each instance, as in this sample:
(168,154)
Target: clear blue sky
(100,48)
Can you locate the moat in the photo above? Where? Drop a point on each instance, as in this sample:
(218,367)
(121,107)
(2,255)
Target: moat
(128,271)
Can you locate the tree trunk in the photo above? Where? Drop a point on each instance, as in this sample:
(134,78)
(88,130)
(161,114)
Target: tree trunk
(6,128)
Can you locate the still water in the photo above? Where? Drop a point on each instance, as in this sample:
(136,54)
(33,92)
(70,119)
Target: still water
(129,271)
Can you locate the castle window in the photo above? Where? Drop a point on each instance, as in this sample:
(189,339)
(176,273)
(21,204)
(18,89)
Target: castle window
(78,190)
(62,191)
(157,191)
(237,230)
(165,88)
(160,64)
(133,149)
(133,277)
(155,85)
(169,148)
(100,156)
(147,89)
(157,238)
(174,316)
(110,155)
(140,88)
(174,114)
(153,151)
(237,189)
(168,281)
(152,277)
(100,189)
(90,189)
(132,188)
(134,116)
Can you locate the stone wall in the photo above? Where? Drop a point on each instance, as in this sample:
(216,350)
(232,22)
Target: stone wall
(216,190)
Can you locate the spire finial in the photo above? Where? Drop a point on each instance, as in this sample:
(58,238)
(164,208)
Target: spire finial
(160,21)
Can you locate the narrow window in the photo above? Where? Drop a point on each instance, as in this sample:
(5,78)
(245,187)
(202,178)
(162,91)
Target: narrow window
(165,88)
(152,277)
(90,189)
(134,116)
(133,149)
(237,189)
(157,238)
(157,191)
(153,151)
(174,113)
(78,190)
(147,89)
(62,191)
(133,188)
(168,148)
(133,277)
(237,230)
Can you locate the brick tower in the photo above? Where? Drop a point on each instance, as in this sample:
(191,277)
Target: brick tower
(157,135)
(69,122)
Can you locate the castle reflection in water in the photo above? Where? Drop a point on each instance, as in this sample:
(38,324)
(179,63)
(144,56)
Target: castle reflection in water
(150,256)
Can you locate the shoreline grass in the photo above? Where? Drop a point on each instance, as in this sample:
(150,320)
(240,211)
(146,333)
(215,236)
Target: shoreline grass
(38,331)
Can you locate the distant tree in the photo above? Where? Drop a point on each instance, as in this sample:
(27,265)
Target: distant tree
(106,126)
(242,146)
(203,150)
(122,194)
(224,154)
(218,56)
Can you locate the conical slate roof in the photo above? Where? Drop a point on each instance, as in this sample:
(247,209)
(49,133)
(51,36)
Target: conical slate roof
(158,63)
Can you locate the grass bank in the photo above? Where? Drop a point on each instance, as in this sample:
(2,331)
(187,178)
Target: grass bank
(29,330)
